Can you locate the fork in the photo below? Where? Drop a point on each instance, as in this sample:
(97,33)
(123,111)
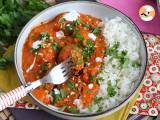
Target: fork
(57,75)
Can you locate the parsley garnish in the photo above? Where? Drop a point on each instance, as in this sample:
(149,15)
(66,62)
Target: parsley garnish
(55,46)
(136,64)
(33,50)
(57,97)
(71,85)
(79,36)
(44,36)
(72,110)
(113,49)
(86,26)
(63,93)
(97,100)
(111,89)
(88,50)
(96,31)
(100,79)
(90,108)
(77,22)
(115,54)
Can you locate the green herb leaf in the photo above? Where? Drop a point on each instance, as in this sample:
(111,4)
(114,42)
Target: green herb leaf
(96,31)
(111,89)
(86,26)
(63,93)
(79,36)
(90,108)
(57,97)
(44,36)
(136,64)
(100,108)
(72,110)
(69,27)
(71,85)
(88,50)
(77,22)
(55,47)
(113,49)
(33,50)
(100,79)
(97,100)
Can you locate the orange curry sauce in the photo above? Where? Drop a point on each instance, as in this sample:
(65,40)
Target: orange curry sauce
(87,55)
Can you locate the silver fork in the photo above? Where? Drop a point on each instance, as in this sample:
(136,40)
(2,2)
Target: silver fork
(58,75)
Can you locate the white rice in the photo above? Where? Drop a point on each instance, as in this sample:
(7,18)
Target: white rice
(117,31)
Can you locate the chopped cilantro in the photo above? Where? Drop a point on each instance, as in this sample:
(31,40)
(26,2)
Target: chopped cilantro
(79,44)
(136,64)
(97,100)
(88,50)
(77,22)
(71,85)
(111,89)
(77,30)
(79,36)
(33,50)
(96,31)
(86,26)
(113,66)
(121,57)
(55,47)
(113,49)
(100,108)
(126,63)
(72,110)
(57,97)
(63,93)
(90,108)
(92,78)
(69,27)
(44,36)
(100,79)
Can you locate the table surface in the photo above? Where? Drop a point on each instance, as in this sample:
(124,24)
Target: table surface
(132,11)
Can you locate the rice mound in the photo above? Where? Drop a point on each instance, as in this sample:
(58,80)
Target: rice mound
(117,31)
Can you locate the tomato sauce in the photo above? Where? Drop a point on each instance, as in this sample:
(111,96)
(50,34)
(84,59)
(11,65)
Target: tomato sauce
(60,39)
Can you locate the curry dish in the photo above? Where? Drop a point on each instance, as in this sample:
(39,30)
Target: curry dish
(50,43)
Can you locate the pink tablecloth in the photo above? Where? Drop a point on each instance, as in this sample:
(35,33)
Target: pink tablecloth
(131,8)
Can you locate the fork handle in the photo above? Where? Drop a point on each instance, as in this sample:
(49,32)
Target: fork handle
(11,97)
